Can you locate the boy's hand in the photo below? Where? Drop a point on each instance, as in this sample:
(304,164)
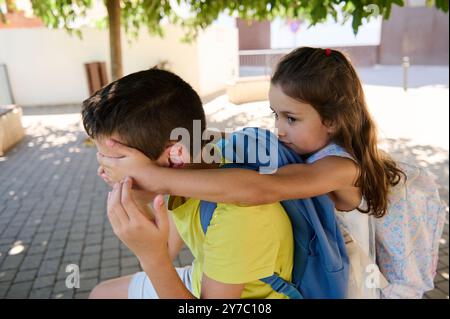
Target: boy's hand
(131,163)
(147,238)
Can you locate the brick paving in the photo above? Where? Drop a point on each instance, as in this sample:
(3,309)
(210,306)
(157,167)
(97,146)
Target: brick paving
(53,213)
(53,207)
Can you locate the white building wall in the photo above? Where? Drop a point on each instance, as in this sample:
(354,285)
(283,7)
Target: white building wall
(217,51)
(46,67)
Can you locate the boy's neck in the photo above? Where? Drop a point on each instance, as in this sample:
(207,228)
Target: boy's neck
(193,166)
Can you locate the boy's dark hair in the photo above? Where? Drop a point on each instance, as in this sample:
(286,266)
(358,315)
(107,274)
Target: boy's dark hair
(143,108)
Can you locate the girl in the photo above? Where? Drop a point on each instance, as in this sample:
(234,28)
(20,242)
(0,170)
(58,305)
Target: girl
(320,112)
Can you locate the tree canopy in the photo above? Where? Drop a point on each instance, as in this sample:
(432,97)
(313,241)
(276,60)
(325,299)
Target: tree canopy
(135,14)
(149,13)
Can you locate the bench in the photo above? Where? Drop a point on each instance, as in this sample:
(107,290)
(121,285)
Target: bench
(11,130)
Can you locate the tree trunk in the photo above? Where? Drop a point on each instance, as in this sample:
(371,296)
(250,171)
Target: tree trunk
(115,43)
(10,6)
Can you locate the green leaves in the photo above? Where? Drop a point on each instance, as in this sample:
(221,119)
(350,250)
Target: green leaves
(150,13)
(442,5)
(61,13)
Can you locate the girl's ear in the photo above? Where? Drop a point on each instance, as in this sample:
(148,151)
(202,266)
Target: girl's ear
(331,127)
(331,130)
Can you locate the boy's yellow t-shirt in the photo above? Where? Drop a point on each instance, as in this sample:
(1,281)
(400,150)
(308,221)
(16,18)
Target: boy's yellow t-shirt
(241,245)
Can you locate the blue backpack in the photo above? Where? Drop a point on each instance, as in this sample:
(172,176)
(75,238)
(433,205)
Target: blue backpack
(321,265)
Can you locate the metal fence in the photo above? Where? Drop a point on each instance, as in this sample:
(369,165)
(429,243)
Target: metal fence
(259,62)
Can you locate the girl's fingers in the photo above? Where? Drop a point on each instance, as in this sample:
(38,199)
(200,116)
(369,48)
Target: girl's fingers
(119,148)
(100,159)
(105,177)
(107,180)
(108,162)
(102,173)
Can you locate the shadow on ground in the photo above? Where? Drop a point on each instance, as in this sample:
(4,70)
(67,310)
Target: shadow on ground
(53,214)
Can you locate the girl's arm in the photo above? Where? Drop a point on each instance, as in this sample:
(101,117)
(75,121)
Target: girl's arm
(247,187)
(238,186)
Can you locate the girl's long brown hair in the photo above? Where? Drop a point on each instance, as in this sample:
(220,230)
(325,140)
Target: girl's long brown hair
(327,80)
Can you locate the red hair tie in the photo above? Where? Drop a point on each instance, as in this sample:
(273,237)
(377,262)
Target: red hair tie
(328,52)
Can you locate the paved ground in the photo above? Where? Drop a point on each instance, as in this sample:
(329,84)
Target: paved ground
(53,213)
(52,204)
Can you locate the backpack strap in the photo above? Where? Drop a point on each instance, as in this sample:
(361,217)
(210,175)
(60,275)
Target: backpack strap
(206,213)
(207,208)
(282,286)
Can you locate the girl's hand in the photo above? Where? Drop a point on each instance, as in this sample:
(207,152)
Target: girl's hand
(142,197)
(130,163)
(147,238)
(102,173)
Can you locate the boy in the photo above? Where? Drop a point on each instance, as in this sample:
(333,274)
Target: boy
(241,245)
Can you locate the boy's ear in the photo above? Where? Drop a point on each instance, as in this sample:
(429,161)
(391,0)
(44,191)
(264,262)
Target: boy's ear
(177,154)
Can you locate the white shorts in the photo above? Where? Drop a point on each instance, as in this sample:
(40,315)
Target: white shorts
(141,287)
